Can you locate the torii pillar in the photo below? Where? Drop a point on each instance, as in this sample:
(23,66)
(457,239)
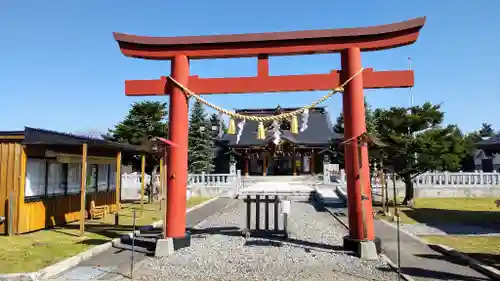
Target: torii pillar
(349,42)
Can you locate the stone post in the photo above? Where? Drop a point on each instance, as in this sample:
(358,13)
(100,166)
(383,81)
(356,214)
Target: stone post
(342,176)
(232,168)
(326,169)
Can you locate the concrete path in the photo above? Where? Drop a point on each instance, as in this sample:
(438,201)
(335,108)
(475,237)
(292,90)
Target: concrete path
(115,263)
(418,260)
(421,262)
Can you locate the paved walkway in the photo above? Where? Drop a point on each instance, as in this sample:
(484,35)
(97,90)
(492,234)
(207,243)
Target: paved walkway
(115,263)
(418,260)
(421,262)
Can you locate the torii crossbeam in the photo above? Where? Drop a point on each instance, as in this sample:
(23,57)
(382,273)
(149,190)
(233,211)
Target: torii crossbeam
(349,42)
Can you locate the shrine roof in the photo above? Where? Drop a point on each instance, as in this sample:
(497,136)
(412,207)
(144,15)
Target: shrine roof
(489,145)
(318,133)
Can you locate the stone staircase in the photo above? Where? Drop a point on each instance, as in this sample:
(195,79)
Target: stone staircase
(295,188)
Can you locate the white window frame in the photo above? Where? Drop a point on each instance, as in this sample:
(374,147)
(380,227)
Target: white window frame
(74,187)
(60,183)
(102,177)
(30,181)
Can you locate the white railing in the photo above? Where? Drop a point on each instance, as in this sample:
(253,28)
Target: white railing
(131,186)
(198,184)
(437,184)
(437,179)
(458,179)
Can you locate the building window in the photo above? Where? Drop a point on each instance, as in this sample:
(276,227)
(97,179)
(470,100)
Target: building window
(47,177)
(91,178)
(56,180)
(74,172)
(112,177)
(36,172)
(102,177)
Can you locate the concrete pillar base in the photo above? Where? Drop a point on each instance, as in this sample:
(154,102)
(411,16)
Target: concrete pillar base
(167,247)
(363,248)
(367,250)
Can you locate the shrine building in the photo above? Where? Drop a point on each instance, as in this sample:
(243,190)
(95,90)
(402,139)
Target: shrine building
(292,153)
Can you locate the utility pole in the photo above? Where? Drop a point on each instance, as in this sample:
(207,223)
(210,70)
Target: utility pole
(411,93)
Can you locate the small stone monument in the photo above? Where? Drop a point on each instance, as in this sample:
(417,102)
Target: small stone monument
(232,168)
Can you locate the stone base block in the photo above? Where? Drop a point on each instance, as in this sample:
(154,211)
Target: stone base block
(166,247)
(360,247)
(367,250)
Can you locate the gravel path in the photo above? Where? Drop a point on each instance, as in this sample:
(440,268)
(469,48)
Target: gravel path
(314,252)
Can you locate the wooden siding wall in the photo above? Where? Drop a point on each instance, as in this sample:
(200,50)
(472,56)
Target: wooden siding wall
(60,210)
(11,178)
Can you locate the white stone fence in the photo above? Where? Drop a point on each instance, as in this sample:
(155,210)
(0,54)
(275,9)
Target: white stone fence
(198,184)
(435,184)
(436,179)
(131,186)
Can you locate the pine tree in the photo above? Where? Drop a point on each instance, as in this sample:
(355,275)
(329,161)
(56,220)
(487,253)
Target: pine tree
(215,123)
(417,142)
(201,145)
(144,121)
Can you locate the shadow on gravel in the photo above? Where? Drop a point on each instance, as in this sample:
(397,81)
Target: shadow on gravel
(268,239)
(264,243)
(434,274)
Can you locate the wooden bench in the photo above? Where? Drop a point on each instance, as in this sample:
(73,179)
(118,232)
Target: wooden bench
(97,211)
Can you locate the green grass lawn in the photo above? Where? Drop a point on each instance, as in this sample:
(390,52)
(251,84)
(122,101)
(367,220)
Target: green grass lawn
(470,210)
(34,251)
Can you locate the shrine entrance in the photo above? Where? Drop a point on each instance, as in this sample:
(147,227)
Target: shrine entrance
(281,158)
(350,80)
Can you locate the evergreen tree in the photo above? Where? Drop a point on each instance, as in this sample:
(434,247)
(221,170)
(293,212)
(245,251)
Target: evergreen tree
(144,121)
(201,144)
(215,123)
(417,143)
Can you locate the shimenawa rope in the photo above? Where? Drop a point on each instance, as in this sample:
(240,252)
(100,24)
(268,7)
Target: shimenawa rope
(239,116)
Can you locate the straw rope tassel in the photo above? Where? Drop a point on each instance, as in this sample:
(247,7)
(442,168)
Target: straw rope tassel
(295,125)
(260,131)
(232,126)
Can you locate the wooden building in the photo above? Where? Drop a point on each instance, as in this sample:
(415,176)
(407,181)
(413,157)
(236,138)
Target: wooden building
(295,154)
(487,156)
(41,178)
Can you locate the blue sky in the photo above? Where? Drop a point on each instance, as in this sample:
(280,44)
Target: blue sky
(61,69)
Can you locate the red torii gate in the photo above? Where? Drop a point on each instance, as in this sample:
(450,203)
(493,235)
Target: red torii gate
(350,42)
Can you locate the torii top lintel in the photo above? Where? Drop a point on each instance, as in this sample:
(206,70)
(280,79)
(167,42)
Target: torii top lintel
(274,43)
